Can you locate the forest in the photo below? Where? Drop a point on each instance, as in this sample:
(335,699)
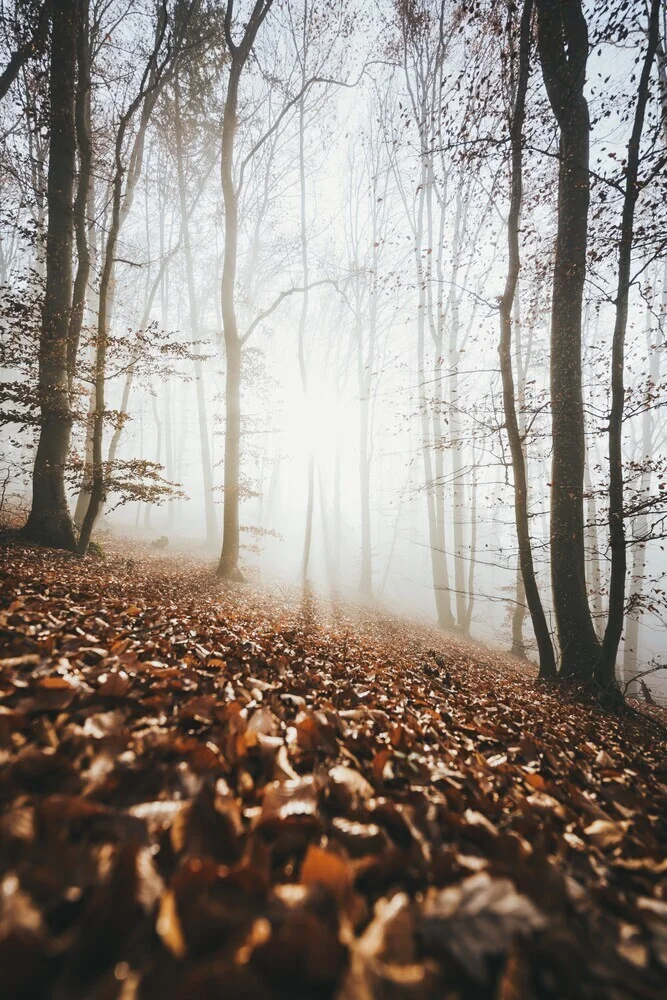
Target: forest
(333,499)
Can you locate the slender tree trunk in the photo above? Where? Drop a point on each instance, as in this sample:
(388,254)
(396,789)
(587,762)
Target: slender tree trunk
(365,364)
(148,507)
(518,617)
(337,517)
(272,497)
(366,575)
(49,522)
(228,567)
(455,427)
(605,672)
(470,603)
(83,498)
(521,362)
(212,535)
(129,375)
(326,534)
(563,46)
(168,446)
(120,207)
(141,453)
(308,532)
(84,192)
(303,371)
(593,554)
(166,398)
(538,617)
(434,489)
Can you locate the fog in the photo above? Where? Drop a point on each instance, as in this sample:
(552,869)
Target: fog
(371,169)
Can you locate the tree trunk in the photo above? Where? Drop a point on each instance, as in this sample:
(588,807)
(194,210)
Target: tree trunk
(148,507)
(456,445)
(120,207)
(49,522)
(212,536)
(228,567)
(433,485)
(83,198)
(366,575)
(86,482)
(563,47)
(303,372)
(538,617)
(470,602)
(337,517)
(605,672)
(593,554)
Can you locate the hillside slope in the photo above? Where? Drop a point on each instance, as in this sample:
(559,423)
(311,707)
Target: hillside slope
(210,791)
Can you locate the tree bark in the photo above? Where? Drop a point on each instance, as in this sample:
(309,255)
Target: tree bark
(49,522)
(605,671)
(433,485)
(303,371)
(212,536)
(533,599)
(83,198)
(228,567)
(631,642)
(120,207)
(563,48)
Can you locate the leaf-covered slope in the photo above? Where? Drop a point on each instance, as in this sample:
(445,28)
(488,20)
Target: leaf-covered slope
(211,792)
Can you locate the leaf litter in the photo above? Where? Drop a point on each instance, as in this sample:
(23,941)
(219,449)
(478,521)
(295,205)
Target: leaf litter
(211,791)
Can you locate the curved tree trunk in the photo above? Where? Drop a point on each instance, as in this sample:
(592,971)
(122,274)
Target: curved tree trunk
(228,567)
(533,599)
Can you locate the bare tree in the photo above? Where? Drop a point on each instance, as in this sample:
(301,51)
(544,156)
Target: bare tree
(239,53)
(540,626)
(123,186)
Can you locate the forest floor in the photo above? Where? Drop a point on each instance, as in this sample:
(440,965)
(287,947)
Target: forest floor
(211,791)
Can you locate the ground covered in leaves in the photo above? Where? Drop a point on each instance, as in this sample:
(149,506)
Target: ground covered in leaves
(208,792)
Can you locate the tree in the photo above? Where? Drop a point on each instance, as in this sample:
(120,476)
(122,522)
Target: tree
(540,627)
(212,536)
(563,49)
(239,53)
(126,173)
(49,522)
(33,28)
(605,669)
